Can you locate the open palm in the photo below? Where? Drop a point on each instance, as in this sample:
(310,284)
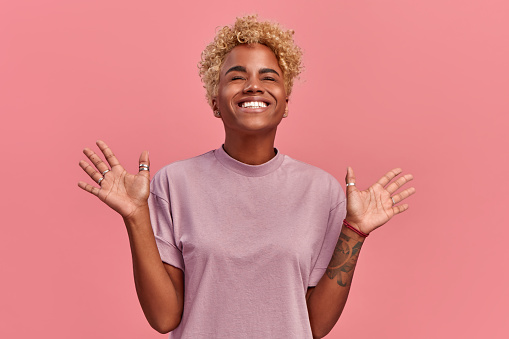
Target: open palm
(122,191)
(371,208)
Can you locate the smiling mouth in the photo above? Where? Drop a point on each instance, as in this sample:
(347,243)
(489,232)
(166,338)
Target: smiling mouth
(253,104)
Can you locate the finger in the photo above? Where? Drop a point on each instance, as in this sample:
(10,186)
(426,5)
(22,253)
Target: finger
(91,171)
(389,176)
(108,153)
(96,160)
(88,188)
(403,195)
(350,179)
(399,208)
(393,187)
(144,166)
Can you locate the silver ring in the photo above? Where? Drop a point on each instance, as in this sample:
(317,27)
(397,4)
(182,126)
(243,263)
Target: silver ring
(103,173)
(393,202)
(350,184)
(99,181)
(144,169)
(143,165)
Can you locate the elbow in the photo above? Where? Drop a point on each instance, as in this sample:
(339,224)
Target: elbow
(319,334)
(163,319)
(319,331)
(162,330)
(164,326)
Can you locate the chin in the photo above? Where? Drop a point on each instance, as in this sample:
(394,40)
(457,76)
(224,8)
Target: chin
(256,128)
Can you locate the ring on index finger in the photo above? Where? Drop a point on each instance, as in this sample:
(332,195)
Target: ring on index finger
(393,202)
(106,171)
(144,167)
(350,184)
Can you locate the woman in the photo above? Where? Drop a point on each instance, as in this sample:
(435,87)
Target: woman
(267,245)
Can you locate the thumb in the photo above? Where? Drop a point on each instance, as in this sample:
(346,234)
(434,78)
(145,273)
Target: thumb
(350,180)
(144,164)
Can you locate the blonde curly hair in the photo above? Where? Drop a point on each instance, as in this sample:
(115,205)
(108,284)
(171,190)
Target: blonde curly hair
(248,30)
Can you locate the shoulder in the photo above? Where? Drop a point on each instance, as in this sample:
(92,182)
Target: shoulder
(315,176)
(180,166)
(179,170)
(300,168)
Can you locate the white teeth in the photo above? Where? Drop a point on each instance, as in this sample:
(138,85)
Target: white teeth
(255,104)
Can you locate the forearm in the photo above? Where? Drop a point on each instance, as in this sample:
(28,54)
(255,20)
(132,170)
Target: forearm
(157,295)
(328,298)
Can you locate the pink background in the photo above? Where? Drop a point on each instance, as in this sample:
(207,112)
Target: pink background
(418,84)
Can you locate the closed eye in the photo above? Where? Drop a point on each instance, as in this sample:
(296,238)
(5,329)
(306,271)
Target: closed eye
(269,78)
(237,78)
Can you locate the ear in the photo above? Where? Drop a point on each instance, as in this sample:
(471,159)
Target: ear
(286,108)
(215,107)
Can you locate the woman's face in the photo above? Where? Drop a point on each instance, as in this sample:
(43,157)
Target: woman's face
(251,93)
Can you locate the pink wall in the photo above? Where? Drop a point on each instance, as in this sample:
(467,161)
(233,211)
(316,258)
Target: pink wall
(418,84)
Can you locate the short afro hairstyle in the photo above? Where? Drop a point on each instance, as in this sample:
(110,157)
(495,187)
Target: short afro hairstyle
(248,30)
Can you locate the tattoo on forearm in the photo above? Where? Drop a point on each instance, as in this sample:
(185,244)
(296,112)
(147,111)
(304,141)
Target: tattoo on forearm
(343,260)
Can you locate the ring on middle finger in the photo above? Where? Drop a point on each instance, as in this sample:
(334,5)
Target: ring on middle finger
(103,173)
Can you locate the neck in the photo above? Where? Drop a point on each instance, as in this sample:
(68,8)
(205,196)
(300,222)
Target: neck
(251,150)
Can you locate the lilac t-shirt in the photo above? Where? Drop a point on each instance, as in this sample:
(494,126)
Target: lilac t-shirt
(250,240)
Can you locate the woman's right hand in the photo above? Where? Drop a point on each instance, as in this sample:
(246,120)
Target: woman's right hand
(124,192)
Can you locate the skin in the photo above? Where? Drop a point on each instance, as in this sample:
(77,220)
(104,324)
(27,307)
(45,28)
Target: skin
(159,286)
(366,211)
(249,72)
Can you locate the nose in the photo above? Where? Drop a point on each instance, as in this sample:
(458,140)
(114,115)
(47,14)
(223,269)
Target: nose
(253,85)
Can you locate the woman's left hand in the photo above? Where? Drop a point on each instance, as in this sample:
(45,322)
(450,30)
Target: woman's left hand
(370,209)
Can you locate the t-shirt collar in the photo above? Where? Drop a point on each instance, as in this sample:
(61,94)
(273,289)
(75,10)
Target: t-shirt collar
(249,170)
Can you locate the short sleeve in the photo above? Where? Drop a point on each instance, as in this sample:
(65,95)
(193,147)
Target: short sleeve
(334,224)
(162,223)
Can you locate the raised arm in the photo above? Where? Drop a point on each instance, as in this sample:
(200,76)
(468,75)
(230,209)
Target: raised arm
(160,287)
(366,211)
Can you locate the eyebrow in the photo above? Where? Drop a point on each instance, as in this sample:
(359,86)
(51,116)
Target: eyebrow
(267,70)
(243,69)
